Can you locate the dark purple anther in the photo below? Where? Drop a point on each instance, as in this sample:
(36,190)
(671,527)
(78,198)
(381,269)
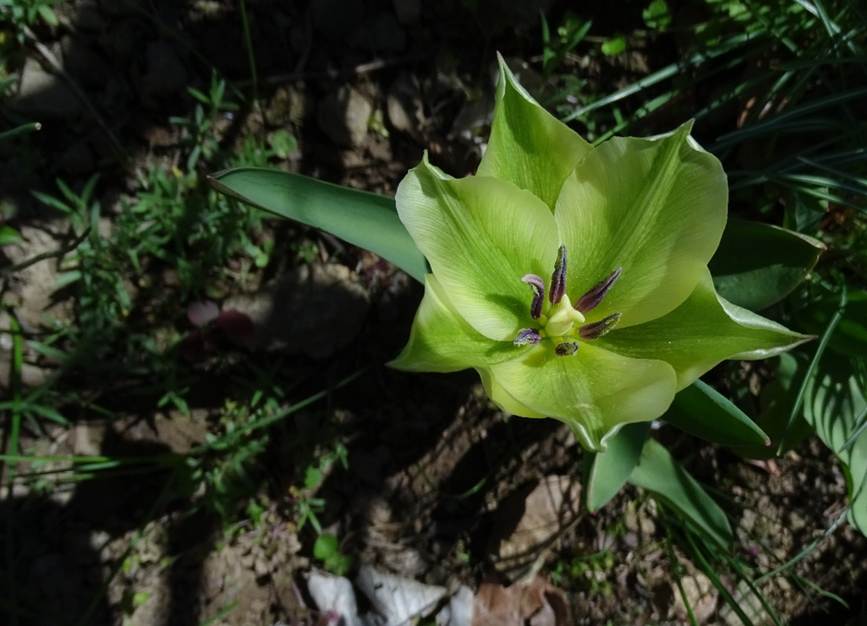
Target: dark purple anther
(592,298)
(558,278)
(597,329)
(567,348)
(538,286)
(527,337)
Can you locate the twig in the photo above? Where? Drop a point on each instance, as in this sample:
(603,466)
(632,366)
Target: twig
(59,252)
(49,57)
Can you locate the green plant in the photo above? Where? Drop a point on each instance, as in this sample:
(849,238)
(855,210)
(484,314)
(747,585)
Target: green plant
(29,12)
(327,550)
(571,32)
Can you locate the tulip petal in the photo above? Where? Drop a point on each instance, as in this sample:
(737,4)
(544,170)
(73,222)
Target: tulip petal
(441,341)
(594,391)
(502,398)
(480,236)
(701,332)
(529,146)
(656,208)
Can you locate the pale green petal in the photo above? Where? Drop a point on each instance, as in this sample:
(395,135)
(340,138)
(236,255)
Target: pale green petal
(656,208)
(441,341)
(502,398)
(701,332)
(529,146)
(594,391)
(480,236)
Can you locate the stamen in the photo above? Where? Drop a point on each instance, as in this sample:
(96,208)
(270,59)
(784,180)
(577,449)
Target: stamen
(567,348)
(538,286)
(527,336)
(558,278)
(592,298)
(597,329)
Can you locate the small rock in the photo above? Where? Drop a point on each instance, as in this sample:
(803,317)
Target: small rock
(701,596)
(42,95)
(749,603)
(288,106)
(404,106)
(407,11)
(344,116)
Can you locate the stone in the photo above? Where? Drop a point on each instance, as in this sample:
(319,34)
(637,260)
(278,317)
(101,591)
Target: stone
(404,106)
(43,95)
(700,595)
(344,116)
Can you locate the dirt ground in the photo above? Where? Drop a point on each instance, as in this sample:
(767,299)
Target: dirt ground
(436,478)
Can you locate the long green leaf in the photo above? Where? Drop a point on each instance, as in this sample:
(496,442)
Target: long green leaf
(659,473)
(757,265)
(364,219)
(611,469)
(704,412)
(834,405)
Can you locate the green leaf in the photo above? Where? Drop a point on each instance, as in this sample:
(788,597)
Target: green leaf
(481,235)
(757,265)
(614,46)
(360,218)
(659,473)
(528,146)
(9,236)
(836,406)
(283,143)
(48,15)
(655,208)
(850,336)
(326,546)
(702,411)
(611,469)
(657,15)
(700,333)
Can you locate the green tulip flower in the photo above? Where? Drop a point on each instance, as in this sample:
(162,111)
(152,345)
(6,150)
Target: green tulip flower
(623,232)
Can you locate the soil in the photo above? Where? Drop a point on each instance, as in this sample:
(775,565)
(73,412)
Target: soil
(436,476)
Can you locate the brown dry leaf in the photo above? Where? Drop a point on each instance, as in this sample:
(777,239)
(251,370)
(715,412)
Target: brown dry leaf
(536,602)
(541,515)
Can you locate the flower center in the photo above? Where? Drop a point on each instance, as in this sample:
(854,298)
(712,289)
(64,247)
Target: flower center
(562,318)
(558,323)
